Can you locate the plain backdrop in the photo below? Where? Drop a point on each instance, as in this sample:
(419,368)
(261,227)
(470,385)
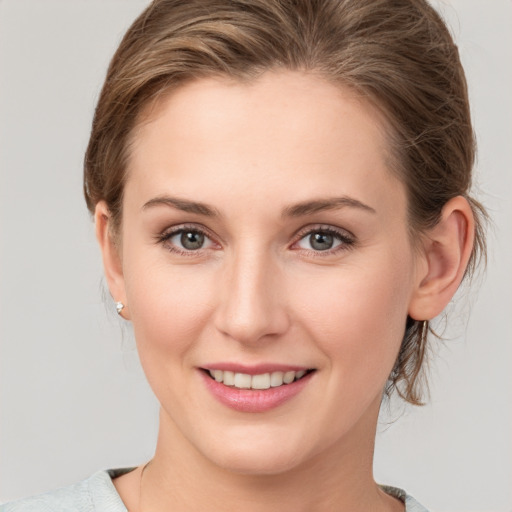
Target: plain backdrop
(73,398)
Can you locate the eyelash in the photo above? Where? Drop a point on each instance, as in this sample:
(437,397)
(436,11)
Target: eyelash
(347,240)
(184,228)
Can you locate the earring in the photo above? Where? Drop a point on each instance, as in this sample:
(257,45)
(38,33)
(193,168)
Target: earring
(119,307)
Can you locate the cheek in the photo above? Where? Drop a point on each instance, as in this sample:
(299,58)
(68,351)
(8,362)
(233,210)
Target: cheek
(168,306)
(357,316)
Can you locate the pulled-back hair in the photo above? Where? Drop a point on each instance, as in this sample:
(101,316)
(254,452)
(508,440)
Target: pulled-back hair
(398,54)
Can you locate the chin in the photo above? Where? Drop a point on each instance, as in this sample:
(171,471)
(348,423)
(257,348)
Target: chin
(264,453)
(257,462)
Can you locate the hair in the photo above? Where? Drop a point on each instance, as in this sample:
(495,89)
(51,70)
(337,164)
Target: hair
(397,54)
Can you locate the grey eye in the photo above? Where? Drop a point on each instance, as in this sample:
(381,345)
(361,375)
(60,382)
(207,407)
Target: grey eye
(191,240)
(321,241)
(187,240)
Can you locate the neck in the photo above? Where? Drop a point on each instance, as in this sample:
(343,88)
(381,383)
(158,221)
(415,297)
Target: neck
(340,478)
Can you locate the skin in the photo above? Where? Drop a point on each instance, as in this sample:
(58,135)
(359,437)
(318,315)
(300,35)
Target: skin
(259,292)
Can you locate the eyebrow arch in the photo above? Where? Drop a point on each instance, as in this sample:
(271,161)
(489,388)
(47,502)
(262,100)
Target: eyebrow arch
(320,205)
(183,205)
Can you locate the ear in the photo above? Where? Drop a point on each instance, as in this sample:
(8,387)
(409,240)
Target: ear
(445,254)
(112,262)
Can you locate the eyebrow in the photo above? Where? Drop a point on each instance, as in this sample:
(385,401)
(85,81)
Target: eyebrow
(295,210)
(183,205)
(320,205)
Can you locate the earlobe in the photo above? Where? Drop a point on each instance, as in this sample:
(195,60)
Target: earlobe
(445,253)
(111,256)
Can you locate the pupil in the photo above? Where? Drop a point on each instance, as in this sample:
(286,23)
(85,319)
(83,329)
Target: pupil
(192,240)
(321,241)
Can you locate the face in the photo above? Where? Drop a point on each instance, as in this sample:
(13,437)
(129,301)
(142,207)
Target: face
(265,245)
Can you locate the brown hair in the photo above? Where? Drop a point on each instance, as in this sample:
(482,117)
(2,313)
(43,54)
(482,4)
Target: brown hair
(396,53)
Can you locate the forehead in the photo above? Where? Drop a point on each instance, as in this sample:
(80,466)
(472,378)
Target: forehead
(302,97)
(287,128)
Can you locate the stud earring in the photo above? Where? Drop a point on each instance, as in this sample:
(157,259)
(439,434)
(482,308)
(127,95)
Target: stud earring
(119,307)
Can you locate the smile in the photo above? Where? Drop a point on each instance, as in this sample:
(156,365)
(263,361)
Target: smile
(255,389)
(259,381)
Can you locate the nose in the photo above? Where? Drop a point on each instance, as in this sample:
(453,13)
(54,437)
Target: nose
(252,301)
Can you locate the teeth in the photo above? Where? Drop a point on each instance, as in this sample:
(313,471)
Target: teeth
(260,381)
(242,381)
(288,377)
(276,379)
(229,378)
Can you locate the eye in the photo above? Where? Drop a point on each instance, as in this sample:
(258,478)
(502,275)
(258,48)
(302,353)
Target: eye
(186,240)
(319,241)
(325,240)
(189,240)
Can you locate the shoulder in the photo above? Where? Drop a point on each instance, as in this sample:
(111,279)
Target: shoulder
(96,493)
(411,505)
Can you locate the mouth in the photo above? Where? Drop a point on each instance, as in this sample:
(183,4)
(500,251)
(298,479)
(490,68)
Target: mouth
(260,381)
(255,389)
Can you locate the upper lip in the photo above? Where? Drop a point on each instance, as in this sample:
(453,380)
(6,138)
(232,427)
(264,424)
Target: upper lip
(254,369)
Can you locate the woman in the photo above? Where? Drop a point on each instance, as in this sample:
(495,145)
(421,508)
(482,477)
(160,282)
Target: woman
(281,197)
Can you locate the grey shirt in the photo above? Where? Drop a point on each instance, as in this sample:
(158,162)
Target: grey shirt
(98,494)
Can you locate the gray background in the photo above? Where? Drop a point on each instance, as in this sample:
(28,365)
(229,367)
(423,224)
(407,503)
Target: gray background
(73,398)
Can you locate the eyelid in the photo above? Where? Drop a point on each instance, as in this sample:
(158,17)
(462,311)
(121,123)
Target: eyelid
(326,228)
(347,239)
(172,231)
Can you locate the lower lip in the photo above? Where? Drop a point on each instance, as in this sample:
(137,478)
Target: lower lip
(254,400)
